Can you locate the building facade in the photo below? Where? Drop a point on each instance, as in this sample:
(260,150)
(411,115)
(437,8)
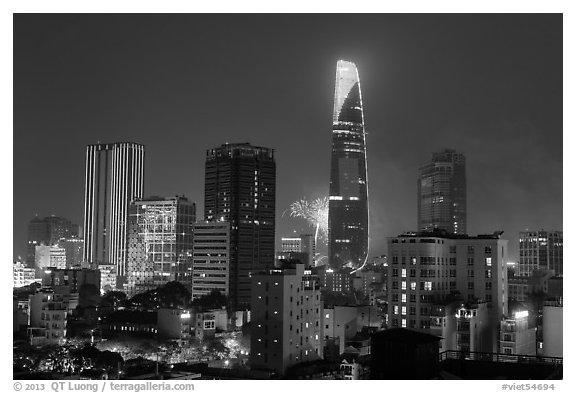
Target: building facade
(114,177)
(22,275)
(286,319)
(540,250)
(348,199)
(430,270)
(49,257)
(160,236)
(211,258)
(47,232)
(517,334)
(240,188)
(442,193)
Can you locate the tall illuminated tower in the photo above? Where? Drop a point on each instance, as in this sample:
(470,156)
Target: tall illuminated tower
(114,177)
(348,204)
(442,193)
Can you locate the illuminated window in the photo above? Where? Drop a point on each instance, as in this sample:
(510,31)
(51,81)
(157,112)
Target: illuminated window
(395,310)
(488,261)
(413,285)
(403,298)
(403,273)
(403,310)
(403,285)
(403,322)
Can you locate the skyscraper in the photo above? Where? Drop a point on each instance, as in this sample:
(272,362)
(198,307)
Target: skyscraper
(114,177)
(240,187)
(541,250)
(348,202)
(442,193)
(159,243)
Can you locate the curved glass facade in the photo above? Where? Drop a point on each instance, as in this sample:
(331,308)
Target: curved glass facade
(348,204)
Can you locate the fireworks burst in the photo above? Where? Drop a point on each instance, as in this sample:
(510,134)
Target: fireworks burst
(315,212)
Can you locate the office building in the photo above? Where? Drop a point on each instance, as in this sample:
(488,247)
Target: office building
(47,232)
(348,199)
(442,193)
(47,257)
(160,234)
(302,247)
(211,258)
(430,270)
(240,188)
(286,319)
(335,280)
(540,250)
(114,177)
(74,249)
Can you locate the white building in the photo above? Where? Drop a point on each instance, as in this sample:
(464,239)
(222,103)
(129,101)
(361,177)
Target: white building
(286,316)
(211,258)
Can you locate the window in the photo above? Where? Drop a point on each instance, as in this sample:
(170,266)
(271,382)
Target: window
(403,285)
(488,261)
(470,273)
(403,322)
(403,273)
(395,260)
(394,272)
(395,310)
(487,250)
(470,249)
(470,284)
(470,261)
(488,274)
(452,272)
(412,285)
(412,273)
(488,285)
(452,261)
(395,285)
(412,310)
(403,310)
(403,298)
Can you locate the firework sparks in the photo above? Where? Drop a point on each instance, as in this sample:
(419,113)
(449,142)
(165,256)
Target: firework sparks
(315,212)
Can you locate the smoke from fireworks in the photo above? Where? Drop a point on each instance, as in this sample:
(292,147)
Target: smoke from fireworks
(315,212)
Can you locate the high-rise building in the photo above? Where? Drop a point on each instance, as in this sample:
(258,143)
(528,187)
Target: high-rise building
(540,250)
(23,275)
(74,248)
(442,193)
(160,233)
(240,188)
(431,270)
(303,246)
(348,200)
(286,319)
(47,232)
(211,258)
(114,177)
(49,257)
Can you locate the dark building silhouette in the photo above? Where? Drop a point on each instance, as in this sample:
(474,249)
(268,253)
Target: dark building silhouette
(404,354)
(348,201)
(442,193)
(47,232)
(114,177)
(240,187)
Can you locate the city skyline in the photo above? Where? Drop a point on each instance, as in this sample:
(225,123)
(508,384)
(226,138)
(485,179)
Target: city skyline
(480,94)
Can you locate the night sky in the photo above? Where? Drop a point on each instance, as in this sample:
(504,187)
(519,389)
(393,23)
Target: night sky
(489,86)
